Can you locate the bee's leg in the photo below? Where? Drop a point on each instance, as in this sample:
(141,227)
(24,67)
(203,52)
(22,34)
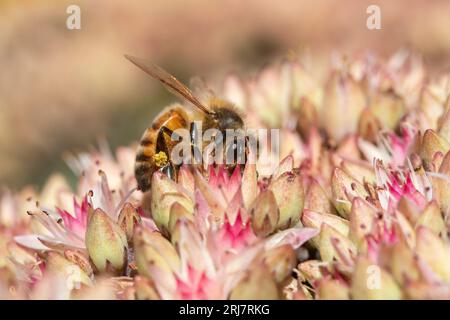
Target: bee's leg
(169,132)
(220,148)
(241,152)
(194,134)
(161,145)
(247,142)
(161,140)
(169,171)
(244,151)
(232,151)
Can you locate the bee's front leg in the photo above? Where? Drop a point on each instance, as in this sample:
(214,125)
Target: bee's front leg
(169,171)
(195,138)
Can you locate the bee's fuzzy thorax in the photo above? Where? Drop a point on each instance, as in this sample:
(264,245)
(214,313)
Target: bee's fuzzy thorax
(225,116)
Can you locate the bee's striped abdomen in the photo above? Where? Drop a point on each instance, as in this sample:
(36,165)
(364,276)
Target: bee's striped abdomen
(172,118)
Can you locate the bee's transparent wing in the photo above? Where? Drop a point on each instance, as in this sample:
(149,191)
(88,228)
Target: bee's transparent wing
(201,89)
(169,81)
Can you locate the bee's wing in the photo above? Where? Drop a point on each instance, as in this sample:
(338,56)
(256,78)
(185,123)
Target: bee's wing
(201,90)
(169,81)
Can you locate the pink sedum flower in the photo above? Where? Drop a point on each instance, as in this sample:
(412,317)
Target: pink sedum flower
(76,222)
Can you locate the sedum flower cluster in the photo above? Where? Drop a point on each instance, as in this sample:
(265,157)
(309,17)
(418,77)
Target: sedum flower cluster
(356,209)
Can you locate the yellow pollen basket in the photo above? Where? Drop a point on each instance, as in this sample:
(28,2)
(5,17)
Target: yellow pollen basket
(160,159)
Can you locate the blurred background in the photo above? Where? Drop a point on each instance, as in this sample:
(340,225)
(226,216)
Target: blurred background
(65,89)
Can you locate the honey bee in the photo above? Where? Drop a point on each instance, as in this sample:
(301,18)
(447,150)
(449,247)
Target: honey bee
(156,144)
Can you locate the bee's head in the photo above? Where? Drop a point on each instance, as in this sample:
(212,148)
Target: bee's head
(227,118)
